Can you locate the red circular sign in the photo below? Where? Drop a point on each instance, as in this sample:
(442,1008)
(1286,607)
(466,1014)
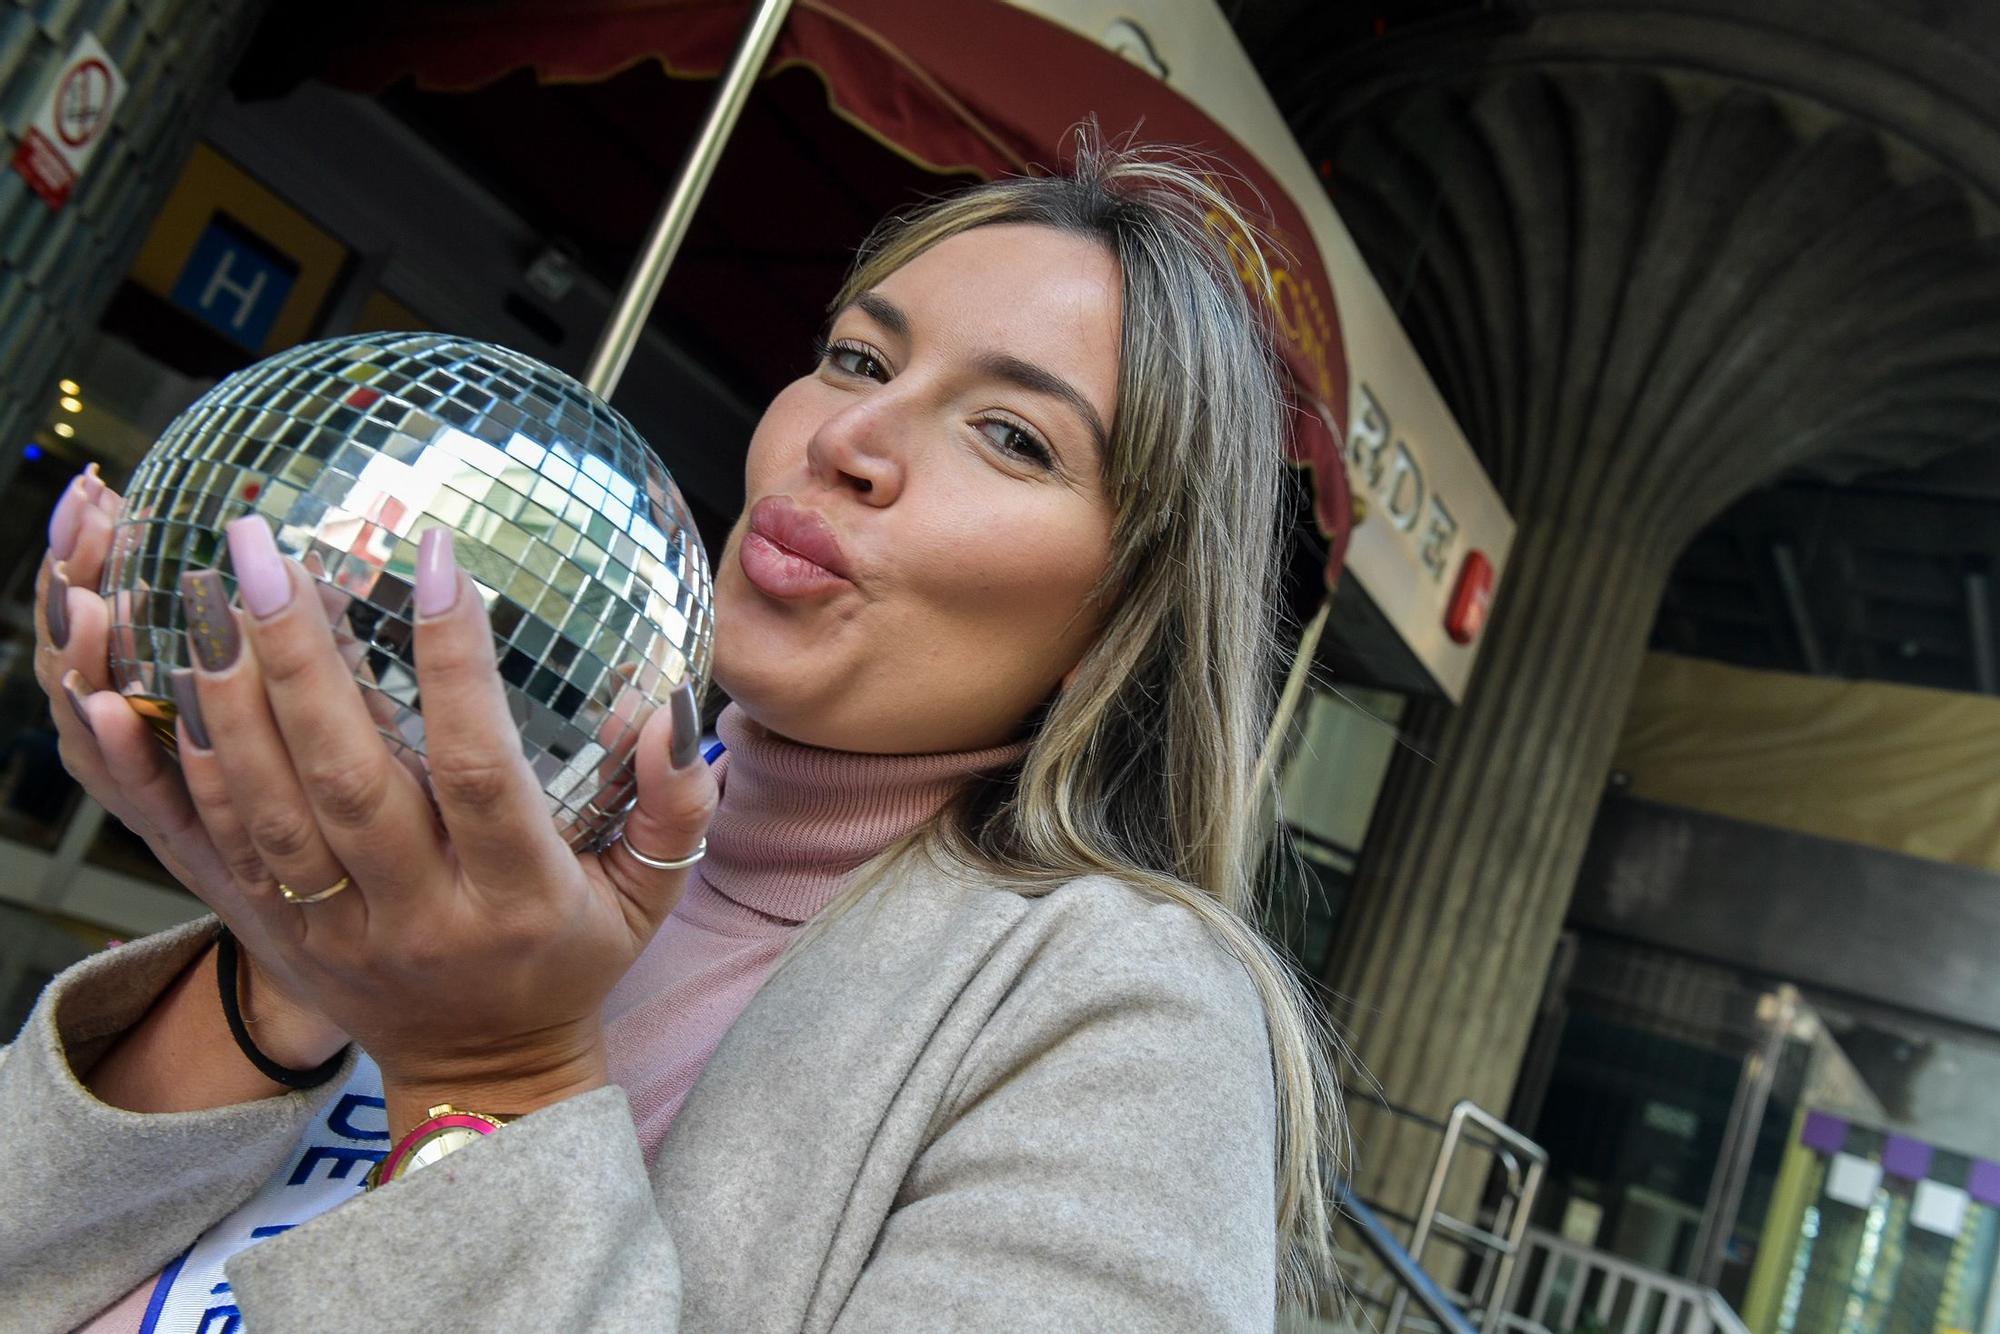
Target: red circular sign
(82,98)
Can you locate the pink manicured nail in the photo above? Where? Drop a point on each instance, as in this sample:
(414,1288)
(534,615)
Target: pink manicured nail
(67,521)
(261,578)
(106,501)
(437,573)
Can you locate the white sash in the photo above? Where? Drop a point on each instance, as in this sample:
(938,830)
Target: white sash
(329,1165)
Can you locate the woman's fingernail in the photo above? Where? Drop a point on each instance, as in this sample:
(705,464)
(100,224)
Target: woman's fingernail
(92,480)
(71,680)
(188,702)
(687,727)
(211,625)
(261,576)
(57,607)
(437,573)
(67,521)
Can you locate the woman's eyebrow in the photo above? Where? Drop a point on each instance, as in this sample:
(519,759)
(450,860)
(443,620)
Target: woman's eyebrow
(999,366)
(884,312)
(1040,380)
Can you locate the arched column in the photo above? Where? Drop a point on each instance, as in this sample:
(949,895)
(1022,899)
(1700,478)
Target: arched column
(1643,295)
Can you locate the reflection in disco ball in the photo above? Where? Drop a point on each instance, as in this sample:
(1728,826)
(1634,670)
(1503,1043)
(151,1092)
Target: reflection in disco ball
(592,572)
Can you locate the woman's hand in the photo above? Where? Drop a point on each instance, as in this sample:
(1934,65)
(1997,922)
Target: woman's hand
(110,750)
(470,961)
(105,745)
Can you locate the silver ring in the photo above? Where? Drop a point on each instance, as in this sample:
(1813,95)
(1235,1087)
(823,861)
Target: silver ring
(670,864)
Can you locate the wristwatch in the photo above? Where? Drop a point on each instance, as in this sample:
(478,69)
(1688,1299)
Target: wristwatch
(443,1129)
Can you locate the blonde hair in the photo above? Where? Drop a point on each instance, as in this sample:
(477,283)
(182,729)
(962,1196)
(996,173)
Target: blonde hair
(1143,767)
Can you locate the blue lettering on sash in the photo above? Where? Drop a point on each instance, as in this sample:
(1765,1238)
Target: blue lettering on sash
(340,1156)
(341,1119)
(230,1317)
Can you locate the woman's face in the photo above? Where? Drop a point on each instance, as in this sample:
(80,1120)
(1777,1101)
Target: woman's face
(924,517)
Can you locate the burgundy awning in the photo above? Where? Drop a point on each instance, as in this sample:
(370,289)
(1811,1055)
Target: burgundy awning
(984,88)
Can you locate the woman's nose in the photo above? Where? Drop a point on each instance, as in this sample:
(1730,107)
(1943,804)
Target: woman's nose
(860,449)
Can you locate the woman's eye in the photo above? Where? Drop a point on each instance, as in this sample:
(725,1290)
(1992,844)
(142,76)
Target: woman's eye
(852,360)
(1021,444)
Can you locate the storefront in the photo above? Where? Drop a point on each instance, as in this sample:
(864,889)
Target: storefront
(496,186)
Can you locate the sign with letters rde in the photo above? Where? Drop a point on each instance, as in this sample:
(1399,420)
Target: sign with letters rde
(73,119)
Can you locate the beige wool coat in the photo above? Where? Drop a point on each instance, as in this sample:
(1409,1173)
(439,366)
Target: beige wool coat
(960,1109)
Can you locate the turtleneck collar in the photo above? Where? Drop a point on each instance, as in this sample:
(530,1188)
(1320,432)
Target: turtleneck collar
(796,820)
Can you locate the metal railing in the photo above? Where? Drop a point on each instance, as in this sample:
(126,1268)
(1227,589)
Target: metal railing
(1479,1275)
(1722,1315)
(1517,1280)
(1411,1280)
(1521,1162)
(1572,1283)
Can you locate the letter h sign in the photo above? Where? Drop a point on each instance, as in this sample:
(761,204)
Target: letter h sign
(235,282)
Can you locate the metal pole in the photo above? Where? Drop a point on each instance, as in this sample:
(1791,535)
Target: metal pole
(1794,589)
(1979,621)
(1288,700)
(649,271)
(1778,1010)
(1420,1227)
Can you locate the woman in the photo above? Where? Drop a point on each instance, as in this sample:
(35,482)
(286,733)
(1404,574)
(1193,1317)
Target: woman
(994,627)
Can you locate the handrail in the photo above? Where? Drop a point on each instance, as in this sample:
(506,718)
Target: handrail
(1510,1222)
(1498,1148)
(1724,1315)
(1409,1275)
(1655,1303)
(1464,1231)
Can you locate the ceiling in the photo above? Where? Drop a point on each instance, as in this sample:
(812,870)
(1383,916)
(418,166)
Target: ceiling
(1847,568)
(1887,578)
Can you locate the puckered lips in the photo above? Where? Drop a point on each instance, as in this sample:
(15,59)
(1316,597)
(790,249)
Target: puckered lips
(791,552)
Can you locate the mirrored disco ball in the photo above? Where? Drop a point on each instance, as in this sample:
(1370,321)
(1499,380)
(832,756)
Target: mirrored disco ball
(593,574)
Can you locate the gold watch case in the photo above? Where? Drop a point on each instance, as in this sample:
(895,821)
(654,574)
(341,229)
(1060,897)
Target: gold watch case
(444,1129)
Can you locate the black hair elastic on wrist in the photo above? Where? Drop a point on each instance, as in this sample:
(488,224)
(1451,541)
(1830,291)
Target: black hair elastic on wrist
(226,972)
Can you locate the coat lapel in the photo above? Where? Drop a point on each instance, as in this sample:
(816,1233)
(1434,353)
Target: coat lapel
(786,1158)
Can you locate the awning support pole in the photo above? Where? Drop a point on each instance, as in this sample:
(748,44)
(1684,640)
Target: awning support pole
(649,272)
(1288,700)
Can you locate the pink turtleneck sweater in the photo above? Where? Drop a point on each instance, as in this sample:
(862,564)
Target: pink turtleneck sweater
(794,822)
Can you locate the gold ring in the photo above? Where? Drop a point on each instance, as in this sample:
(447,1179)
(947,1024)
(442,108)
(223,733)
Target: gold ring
(596,812)
(290,895)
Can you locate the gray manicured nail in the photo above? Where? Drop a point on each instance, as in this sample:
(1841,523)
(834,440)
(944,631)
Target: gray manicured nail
(211,625)
(69,683)
(57,609)
(687,727)
(188,702)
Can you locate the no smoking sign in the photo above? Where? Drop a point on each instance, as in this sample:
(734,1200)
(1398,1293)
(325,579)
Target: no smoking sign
(83,102)
(71,121)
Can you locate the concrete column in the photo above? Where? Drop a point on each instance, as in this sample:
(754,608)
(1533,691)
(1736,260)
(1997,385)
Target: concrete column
(1642,295)
(59,268)
(1467,871)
